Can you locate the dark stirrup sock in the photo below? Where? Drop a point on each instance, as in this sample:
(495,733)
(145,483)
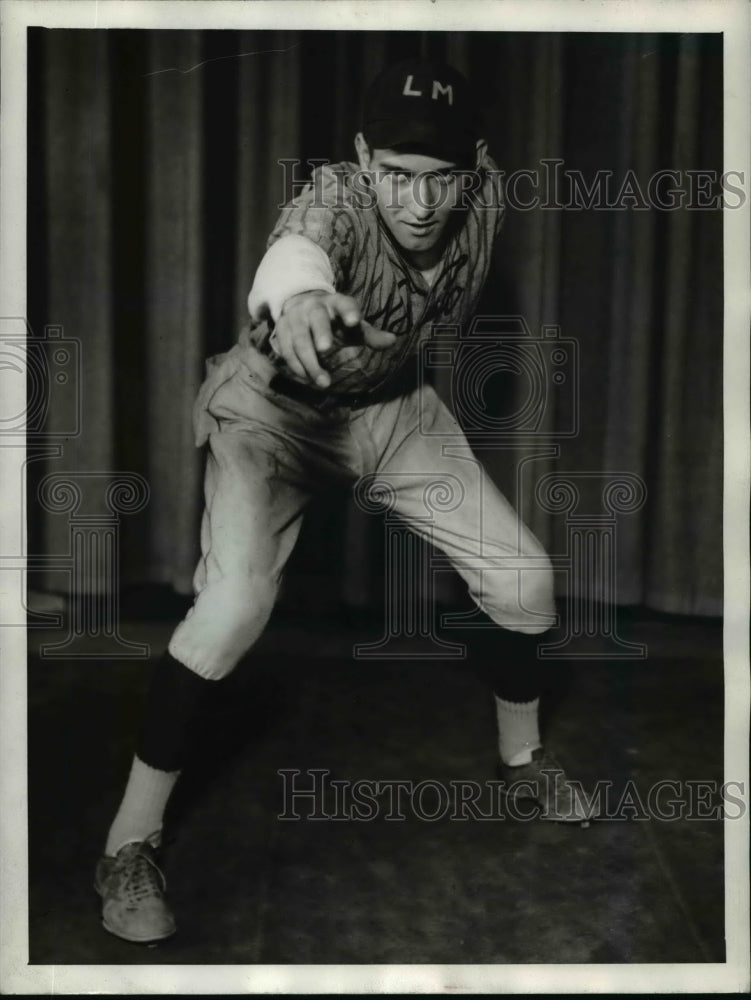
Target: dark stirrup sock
(174,701)
(506,661)
(516,674)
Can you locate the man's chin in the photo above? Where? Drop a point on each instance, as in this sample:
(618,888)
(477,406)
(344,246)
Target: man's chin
(419,244)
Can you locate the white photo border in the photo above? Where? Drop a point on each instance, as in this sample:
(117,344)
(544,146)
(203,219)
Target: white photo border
(733,18)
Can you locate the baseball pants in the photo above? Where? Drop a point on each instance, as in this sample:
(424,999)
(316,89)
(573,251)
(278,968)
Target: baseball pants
(269,455)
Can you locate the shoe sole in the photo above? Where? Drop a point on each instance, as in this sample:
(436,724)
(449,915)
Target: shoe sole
(137,940)
(126,937)
(568,820)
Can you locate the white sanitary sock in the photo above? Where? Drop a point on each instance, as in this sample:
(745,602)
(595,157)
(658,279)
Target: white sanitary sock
(142,809)
(518,730)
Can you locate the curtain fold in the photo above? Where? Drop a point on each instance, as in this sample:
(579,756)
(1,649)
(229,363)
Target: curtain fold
(175,254)
(77,190)
(160,176)
(633,341)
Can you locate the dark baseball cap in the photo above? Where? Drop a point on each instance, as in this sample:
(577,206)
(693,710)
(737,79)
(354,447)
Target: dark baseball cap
(425,105)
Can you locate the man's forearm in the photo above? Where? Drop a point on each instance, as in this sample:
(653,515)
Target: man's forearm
(292,266)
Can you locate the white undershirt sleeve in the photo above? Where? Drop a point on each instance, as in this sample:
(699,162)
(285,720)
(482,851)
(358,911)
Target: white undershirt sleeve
(292,265)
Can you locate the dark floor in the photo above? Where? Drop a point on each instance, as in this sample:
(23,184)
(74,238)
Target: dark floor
(251,888)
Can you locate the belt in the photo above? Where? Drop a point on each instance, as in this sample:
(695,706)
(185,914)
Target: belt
(403,381)
(319,399)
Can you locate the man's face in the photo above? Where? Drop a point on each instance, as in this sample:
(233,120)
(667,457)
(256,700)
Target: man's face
(416,196)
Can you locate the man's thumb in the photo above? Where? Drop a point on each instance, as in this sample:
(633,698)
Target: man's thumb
(379,340)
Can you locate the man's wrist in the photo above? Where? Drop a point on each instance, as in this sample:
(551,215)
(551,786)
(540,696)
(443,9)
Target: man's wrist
(300,296)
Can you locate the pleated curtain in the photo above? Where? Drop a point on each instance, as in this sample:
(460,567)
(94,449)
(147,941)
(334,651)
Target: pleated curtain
(155,175)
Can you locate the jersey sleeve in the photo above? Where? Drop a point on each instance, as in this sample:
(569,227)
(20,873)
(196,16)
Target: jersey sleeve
(323,214)
(290,266)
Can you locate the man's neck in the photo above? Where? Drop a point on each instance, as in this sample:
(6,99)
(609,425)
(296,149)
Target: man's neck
(427,259)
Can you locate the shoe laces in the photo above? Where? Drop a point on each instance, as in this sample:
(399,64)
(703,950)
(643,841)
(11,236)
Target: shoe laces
(547,762)
(141,877)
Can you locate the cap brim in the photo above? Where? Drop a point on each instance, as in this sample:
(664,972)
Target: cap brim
(391,133)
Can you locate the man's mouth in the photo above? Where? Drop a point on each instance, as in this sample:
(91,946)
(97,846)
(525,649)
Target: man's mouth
(420,228)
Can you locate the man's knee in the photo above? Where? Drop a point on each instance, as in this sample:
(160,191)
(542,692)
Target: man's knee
(224,623)
(521,600)
(537,591)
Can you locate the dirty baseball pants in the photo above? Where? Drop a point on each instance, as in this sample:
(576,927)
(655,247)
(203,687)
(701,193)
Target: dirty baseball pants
(269,455)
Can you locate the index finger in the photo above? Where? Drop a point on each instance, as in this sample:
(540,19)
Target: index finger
(303,346)
(345,308)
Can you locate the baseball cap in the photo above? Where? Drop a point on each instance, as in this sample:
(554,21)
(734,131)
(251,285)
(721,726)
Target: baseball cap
(424,104)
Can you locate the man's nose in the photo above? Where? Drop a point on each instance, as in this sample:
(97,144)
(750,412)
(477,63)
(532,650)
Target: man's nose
(423,198)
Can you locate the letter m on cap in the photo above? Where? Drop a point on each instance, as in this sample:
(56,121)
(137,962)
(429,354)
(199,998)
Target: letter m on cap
(438,88)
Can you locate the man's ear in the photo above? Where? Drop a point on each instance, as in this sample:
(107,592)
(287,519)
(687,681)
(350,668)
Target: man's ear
(482,151)
(363,151)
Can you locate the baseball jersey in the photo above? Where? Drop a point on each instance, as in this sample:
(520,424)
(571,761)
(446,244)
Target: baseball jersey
(339,217)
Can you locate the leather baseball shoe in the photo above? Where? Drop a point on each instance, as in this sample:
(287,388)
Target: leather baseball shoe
(132,889)
(544,781)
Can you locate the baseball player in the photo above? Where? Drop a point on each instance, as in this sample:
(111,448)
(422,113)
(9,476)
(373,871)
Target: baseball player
(320,391)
